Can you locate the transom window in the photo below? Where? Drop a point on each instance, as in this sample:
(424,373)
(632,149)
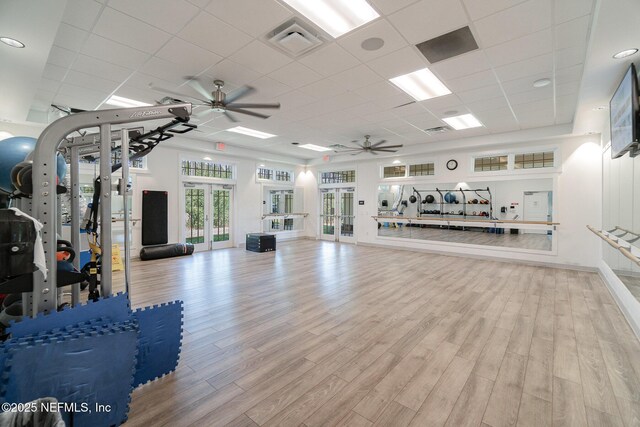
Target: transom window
(338,177)
(264,173)
(394,171)
(207,169)
(534,160)
(492,163)
(422,169)
(272,174)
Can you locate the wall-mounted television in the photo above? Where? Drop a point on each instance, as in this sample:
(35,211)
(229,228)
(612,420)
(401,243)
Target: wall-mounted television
(623,111)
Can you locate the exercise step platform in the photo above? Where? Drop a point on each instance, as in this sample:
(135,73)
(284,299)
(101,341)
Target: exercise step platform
(261,242)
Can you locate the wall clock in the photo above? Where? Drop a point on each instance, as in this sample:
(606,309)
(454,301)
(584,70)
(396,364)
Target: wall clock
(452,164)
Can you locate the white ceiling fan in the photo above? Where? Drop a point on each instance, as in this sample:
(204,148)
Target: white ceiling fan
(218,101)
(368,147)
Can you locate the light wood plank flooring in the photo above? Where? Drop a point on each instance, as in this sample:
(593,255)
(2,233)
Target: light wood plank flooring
(320,333)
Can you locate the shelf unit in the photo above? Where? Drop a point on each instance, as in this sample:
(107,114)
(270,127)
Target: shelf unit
(484,210)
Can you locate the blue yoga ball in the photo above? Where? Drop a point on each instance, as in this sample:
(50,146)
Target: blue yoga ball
(13,151)
(450,197)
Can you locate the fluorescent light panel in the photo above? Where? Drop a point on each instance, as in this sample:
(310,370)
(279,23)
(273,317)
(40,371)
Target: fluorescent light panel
(336,17)
(314,147)
(251,132)
(465,121)
(120,101)
(421,85)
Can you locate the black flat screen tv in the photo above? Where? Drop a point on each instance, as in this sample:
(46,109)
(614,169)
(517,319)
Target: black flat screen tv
(623,115)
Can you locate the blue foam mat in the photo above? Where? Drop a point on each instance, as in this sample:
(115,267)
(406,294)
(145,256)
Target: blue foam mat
(159,342)
(115,309)
(79,368)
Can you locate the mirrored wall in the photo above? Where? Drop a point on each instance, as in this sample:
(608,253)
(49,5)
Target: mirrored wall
(282,209)
(511,214)
(621,215)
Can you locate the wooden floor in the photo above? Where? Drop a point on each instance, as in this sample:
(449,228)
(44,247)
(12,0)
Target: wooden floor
(319,333)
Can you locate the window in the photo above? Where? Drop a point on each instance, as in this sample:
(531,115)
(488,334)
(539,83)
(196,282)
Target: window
(394,171)
(422,169)
(270,174)
(494,163)
(207,169)
(116,158)
(265,173)
(338,177)
(534,160)
(283,175)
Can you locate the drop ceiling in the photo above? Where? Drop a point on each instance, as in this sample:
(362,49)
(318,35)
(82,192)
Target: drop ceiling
(335,93)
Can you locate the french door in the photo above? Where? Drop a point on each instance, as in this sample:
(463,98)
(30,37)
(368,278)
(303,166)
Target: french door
(207,216)
(337,215)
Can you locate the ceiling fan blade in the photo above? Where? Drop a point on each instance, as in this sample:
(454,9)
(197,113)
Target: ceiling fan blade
(239,93)
(197,86)
(386,151)
(230,117)
(250,113)
(179,96)
(240,105)
(359,152)
(391,146)
(374,153)
(378,143)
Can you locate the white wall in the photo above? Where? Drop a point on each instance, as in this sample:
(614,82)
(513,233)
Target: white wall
(577,197)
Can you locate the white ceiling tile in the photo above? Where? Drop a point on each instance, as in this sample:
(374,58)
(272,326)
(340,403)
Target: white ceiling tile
(517,21)
(424,121)
(295,75)
(573,33)
(200,3)
(294,99)
(97,67)
(86,98)
(571,56)
(170,15)
(144,81)
(267,90)
(70,37)
(542,64)
(479,94)
(408,110)
(480,9)
(391,102)
(494,118)
(403,61)
(488,104)
(520,49)
(539,118)
(212,34)
(441,103)
(129,31)
(180,52)
(530,96)
(169,71)
(329,60)
(232,73)
(567,10)
(260,57)
(356,77)
(143,95)
(253,17)
(322,89)
(48,85)
(570,88)
(524,84)
(462,65)
(379,28)
(54,72)
(387,7)
(90,81)
(43,100)
(428,19)
(116,53)
(473,81)
(532,108)
(568,75)
(60,57)
(81,13)
(381,89)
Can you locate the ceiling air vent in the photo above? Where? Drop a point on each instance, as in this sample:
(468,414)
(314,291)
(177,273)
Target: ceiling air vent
(294,39)
(438,129)
(448,45)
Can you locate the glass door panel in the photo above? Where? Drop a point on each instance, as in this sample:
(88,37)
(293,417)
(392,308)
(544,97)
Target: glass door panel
(196,217)
(327,216)
(347,216)
(220,218)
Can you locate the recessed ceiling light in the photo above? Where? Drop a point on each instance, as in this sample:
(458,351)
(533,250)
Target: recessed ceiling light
(261,165)
(465,121)
(251,132)
(373,43)
(625,53)
(542,82)
(421,85)
(207,158)
(314,147)
(336,17)
(120,101)
(396,162)
(12,42)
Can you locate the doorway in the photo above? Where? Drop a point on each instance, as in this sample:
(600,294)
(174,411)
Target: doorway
(207,216)
(537,206)
(337,214)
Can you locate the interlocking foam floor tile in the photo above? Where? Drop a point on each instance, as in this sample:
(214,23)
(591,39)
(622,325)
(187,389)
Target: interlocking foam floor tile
(94,367)
(115,309)
(159,341)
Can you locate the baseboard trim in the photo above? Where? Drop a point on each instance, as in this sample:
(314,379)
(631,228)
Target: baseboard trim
(628,304)
(484,257)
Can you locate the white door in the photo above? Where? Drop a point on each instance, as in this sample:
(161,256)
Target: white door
(537,207)
(207,216)
(337,215)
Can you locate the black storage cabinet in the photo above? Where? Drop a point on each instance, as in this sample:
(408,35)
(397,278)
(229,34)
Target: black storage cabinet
(261,242)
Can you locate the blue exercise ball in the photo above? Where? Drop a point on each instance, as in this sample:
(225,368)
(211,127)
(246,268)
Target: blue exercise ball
(13,151)
(450,197)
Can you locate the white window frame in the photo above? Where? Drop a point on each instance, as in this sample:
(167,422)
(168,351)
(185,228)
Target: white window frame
(207,179)
(407,166)
(337,184)
(511,155)
(274,170)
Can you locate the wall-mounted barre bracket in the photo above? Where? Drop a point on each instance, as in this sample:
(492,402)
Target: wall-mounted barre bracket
(627,251)
(285,215)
